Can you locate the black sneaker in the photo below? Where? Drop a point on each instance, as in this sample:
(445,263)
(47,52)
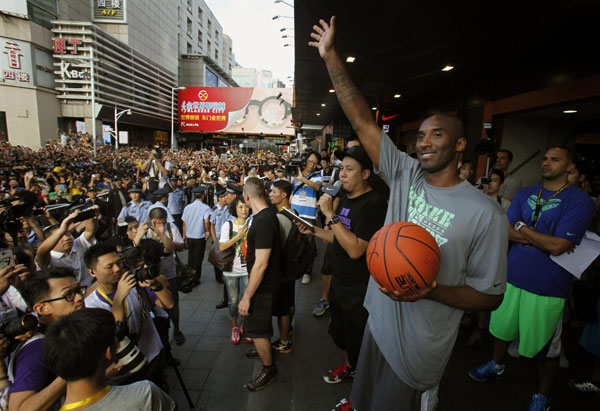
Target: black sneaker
(252,353)
(222,304)
(263,378)
(282,348)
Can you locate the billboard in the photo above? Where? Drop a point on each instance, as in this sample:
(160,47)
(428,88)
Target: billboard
(235,110)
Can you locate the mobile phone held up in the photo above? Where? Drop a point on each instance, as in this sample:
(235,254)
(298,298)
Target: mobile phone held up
(6,258)
(84,215)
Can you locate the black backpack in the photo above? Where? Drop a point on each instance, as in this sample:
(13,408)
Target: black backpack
(296,253)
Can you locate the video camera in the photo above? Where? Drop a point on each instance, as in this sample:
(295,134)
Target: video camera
(18,326)
(294,164)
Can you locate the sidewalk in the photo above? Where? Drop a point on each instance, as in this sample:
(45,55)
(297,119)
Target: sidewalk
(215,371)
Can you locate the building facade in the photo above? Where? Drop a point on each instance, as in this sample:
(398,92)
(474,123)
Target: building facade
(75,64)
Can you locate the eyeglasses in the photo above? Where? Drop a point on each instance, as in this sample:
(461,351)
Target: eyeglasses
(70,295)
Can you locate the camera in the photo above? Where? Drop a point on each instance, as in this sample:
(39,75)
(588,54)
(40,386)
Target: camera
(127,352)
(84,215)
(18,326)
(485,180)
(143,261)
(295,164)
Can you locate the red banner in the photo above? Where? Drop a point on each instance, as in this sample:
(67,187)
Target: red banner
(235,110)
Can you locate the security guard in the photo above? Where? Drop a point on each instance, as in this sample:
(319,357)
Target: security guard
(137,207)
(211,191)
(176,202)
(219,215)
(160,198)
(190,184)
(196,229)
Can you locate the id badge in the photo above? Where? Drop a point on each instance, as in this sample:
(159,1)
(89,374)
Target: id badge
(302,195)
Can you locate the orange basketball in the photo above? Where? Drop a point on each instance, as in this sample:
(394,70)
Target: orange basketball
(403,256)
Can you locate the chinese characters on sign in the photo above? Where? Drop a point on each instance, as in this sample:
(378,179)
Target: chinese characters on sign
(109,10)
(16,62)
(61,45)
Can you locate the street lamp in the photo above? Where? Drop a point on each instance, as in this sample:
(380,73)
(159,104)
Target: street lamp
(285,36)
(117,117)
(173,142)
(286,28)
(286,45)
(283,17)
(284,2)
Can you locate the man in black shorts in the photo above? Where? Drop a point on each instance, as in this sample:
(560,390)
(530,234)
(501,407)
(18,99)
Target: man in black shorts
(264,279)
(360,213)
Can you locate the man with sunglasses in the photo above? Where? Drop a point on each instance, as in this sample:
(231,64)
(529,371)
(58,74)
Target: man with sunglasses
(51,294)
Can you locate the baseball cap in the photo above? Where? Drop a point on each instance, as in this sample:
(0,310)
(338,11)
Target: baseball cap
(358,153)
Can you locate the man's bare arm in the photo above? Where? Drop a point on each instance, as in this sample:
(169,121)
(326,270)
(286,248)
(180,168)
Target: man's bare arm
(353,103)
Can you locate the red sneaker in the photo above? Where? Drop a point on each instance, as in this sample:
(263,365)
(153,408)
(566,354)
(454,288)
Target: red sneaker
(338,374)
(235,335)
(343,405)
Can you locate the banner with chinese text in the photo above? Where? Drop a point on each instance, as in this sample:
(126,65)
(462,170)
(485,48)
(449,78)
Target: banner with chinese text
(235,110)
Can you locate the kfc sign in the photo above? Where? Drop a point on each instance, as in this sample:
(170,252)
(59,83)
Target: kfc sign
(16,62)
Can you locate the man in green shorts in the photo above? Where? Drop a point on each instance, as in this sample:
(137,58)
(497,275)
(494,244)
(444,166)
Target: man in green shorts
(547,219)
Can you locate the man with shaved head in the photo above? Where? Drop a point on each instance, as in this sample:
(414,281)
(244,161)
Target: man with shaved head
(409,337)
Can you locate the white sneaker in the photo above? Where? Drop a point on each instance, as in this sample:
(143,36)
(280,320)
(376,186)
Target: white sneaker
(305,279)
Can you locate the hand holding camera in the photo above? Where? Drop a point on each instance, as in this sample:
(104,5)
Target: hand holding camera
(124,286)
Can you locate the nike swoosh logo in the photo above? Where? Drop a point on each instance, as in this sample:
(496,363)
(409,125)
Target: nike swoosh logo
(386,118)
(496,285)
(570,233)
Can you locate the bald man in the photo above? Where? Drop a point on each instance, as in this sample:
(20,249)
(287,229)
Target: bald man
(409,337)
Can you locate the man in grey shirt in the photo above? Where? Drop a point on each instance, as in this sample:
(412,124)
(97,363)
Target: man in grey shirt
(80,348)
(409,338)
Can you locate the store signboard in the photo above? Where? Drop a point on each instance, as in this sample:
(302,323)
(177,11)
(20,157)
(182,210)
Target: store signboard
(238,110)
(109,11)
(16,64)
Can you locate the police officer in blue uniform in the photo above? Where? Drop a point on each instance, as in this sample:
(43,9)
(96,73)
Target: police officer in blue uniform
(196,229)
(176,202)
(219,215)
(137,207)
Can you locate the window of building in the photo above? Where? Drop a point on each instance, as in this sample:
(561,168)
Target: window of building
(199,37)
(208,47)
(209,24)
(189,27)
(3,127)
(200,15)
(216,34)
(189,2)
(43,11)
(44,68)
(189,48)
(216,54)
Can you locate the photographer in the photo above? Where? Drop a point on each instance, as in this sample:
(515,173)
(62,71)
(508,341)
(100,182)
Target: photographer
(157,168)
(118,291)
(166,234)
(51,294)
(60,249)
(80,348)
(306,185)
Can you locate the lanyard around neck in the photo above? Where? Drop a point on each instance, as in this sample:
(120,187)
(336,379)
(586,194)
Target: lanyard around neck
(81,403)
(109,300)
(539,206)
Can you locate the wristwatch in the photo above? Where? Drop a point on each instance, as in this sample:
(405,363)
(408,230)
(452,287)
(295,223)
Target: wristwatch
(518,225)
(333,220)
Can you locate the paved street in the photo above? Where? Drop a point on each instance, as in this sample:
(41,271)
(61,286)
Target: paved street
(215,371)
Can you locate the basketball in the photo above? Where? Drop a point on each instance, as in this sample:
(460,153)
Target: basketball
(403,256)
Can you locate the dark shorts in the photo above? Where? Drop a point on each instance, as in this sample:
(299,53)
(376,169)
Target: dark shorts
(286,299)
(259,323)
(326,267)
(347,327)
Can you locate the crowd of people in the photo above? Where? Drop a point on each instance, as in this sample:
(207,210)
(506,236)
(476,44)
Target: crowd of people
(89,247)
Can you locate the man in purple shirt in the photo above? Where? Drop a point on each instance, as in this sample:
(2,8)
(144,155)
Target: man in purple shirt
(51,294)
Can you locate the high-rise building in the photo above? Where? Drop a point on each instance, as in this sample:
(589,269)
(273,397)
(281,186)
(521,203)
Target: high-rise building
(68,62)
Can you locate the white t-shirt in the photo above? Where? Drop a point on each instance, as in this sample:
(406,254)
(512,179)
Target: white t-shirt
(149,340)
(168,265)
(239,261)
(74,260)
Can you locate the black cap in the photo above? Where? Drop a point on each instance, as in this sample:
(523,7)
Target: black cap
(234,189)
(358,153)
(214,177)
(135,188)
(198,191)
(161,192)
(173,177)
